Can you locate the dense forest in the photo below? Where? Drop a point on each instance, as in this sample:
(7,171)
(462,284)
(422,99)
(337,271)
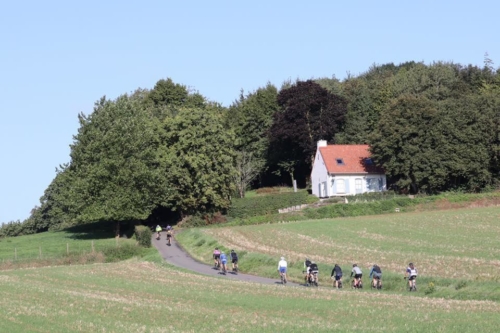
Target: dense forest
(169,152)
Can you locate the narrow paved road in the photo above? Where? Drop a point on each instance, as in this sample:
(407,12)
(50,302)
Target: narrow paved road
(175,255)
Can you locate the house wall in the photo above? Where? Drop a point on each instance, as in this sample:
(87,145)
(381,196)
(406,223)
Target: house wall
(368,183)
(319,175)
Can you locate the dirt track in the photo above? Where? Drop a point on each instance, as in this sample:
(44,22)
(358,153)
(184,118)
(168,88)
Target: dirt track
(175,255)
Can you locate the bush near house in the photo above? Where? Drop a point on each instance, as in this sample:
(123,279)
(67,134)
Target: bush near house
(268,204)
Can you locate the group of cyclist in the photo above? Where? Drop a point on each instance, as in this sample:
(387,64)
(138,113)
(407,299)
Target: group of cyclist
(169,230)
(220,260)
(311,274)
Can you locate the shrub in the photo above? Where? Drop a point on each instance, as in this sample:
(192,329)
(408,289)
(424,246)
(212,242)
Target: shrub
(122,252)
(263,205)
(430,288)
(461,284)
(143,235)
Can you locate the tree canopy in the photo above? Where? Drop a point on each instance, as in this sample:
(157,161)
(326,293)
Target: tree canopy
(432,127)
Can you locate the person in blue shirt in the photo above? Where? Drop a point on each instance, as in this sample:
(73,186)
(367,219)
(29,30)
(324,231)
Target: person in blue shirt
(223,260)
(377,276)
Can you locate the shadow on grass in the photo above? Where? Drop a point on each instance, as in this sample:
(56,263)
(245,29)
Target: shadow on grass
(101,230)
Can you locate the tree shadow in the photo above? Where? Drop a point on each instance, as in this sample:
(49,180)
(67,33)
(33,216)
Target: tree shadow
(101,230)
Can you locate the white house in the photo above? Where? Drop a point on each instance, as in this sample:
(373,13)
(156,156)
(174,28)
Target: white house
(340,170)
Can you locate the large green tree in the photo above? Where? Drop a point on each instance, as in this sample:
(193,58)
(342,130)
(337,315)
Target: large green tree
(430,146)
(118,175)
(250,118)
(199,161)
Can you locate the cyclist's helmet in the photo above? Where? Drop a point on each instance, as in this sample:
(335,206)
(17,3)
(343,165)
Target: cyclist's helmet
(169,227)
(232,251)
(282,258)
(354,265)
(216,248)
(410,264)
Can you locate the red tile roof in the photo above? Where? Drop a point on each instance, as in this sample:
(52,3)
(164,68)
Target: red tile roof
(353,156)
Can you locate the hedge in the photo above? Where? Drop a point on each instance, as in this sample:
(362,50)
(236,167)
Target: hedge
(268,204)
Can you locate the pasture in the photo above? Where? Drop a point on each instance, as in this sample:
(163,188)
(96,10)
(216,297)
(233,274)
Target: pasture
(140,296)
(452,249)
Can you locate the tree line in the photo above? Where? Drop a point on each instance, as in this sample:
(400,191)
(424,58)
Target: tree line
(169,152)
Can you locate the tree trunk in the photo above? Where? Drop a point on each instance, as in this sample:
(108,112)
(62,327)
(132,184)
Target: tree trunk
(117,229)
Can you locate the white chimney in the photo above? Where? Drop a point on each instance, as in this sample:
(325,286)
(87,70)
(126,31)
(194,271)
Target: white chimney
(322,143)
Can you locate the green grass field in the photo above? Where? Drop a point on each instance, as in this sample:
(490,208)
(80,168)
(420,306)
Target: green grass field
(58,247)
(139,296)
(456,250)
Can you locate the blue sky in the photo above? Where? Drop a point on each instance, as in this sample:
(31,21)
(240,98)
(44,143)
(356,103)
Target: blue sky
(58,57)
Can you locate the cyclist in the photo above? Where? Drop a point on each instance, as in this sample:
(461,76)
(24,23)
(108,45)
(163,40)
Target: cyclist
(169,234)
(337,274)
(358,274)
(313,271)
(411,273)
(307,263)
(234,260)
(377,276)
(223,260)
(216,256)
(158,230)
(282,266)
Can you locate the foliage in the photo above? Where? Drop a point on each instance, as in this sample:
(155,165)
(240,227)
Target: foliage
(250,118)
(262,205)
(115,165)
(430,146)
(247,169)
(143,235)
(199,161)
(307,114)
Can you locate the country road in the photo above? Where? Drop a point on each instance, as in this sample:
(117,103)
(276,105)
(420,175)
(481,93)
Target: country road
(175,255)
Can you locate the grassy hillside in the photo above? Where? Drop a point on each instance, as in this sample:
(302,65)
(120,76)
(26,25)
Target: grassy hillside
(455,250)
(137,296)
(80,244)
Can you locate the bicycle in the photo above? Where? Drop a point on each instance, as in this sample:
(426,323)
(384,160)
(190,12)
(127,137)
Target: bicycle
(314,278)
(356,286)
(376,283)
(169,237)
(412,284)
(283,278)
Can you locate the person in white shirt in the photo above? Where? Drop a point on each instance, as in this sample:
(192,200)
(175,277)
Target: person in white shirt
(282,266)
(358,274)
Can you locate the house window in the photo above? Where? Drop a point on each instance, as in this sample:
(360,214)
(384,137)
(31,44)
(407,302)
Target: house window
(368,161)
(340,186)
(358,183)
(339,161)
(373,184)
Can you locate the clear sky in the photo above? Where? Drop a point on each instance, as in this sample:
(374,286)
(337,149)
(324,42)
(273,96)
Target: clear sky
(58,57)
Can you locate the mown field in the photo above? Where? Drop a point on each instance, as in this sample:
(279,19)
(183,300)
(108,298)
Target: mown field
(456,250)
(140,296)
